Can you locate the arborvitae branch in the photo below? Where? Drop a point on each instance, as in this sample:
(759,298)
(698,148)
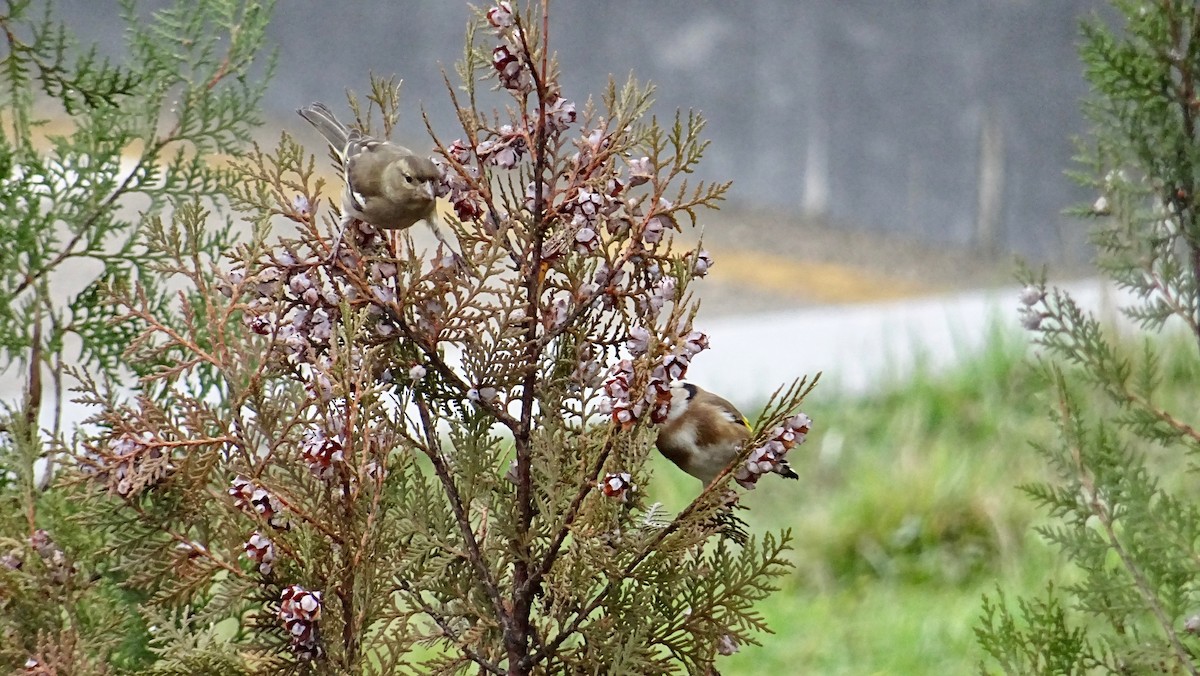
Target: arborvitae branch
(1117,511)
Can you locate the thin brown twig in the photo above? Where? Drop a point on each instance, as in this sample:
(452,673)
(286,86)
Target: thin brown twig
(473,554)
(444,626)
(588,485)
(517,639)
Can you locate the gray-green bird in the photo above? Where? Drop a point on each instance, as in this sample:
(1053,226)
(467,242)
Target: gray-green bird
(387,185)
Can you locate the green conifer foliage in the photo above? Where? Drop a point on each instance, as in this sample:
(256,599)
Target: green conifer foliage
(1124,507)
(95,156)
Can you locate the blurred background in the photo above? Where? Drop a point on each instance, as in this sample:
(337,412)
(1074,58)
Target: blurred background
(890,161)
(946,123)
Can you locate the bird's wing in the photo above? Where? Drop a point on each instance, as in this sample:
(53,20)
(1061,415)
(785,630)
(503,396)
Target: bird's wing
(366,159)
(364,167)
(730,411)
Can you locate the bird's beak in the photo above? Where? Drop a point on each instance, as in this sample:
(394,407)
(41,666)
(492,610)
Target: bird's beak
(430,190)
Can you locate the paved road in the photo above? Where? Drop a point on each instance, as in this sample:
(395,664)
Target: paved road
(861,346)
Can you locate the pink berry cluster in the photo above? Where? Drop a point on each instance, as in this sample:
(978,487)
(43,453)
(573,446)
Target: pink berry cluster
(649,288)
(459,186)
(772,455)
(324,446)
(507,56)
(261,551)
(292,300)
(13,560)
(297,301)
(669,365)
(298,304)
(511,71)
(52,556)
(505,149)
(506,145)
(323,454)
(620,403)
(249,497)
(1031,298)
(617,486)
(702,261)
(300,610)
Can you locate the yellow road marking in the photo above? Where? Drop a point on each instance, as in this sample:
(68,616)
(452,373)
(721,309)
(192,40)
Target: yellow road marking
(822,282)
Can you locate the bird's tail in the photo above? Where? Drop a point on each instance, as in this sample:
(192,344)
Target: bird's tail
(785,470)
(320,116)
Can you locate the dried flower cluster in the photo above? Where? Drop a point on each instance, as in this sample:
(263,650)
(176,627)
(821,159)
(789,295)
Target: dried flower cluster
(727,645)
(13,560)
(127,463)
(626,408)
(512,73)
(617,486)
(59,567)
(1031,316)
(261,551)
(322,453)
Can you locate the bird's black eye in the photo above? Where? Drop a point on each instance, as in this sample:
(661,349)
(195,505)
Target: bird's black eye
(408,178)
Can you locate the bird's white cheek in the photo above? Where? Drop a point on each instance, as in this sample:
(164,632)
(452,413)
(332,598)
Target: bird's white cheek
(679,404)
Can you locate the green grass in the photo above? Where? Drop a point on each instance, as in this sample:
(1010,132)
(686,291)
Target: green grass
(906,513)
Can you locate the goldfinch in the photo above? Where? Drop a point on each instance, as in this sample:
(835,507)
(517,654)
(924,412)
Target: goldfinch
(703,433)
(387,185)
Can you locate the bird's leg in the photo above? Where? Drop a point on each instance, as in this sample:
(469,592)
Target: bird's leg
(346,224)
(433,224)
(444,244)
